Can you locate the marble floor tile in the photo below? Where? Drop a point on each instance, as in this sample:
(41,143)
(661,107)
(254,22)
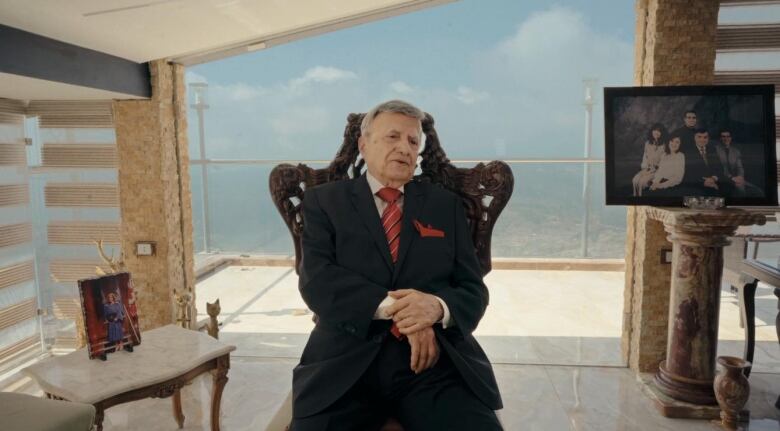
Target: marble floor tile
(543,398)
(610,399)
(534,317)
(530,400)
(255,391)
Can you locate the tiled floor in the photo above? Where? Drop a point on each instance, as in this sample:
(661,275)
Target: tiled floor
(534,317)
(554,338)
(543,398)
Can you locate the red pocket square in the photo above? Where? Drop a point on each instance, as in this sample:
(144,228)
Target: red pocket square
(428,231)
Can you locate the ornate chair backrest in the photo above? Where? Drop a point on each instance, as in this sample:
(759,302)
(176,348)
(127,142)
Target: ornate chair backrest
(484,189)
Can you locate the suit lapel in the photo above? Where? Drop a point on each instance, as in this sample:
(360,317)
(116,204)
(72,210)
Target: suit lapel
(364,203)
(414,199)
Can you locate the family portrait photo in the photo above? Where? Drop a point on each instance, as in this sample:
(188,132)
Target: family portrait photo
(110,314)
(666,143)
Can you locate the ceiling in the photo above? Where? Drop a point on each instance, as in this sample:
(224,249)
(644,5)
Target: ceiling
(27,88)
(184,31)
(144,30)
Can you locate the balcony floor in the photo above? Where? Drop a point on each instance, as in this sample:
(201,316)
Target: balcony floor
(554,337)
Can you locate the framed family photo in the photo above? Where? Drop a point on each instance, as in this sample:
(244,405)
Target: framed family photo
(110,314)
(666,143)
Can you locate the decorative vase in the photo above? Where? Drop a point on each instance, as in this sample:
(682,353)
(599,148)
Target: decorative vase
(731,389)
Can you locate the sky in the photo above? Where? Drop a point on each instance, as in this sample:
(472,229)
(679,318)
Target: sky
(503,79)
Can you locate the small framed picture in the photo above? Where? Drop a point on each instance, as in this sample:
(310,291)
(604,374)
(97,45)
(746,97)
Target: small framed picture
(110,314)
(666,143)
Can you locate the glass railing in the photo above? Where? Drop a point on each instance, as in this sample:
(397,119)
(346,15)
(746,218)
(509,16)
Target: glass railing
(556,211)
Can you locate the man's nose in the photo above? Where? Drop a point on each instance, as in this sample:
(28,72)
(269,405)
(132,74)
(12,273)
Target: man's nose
(405,146)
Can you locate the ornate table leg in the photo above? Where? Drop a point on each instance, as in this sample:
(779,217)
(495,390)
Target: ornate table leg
(177,412)
(99,413)
(688,372)
(220,379)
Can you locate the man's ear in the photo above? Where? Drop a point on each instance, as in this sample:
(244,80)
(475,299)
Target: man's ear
(361,143)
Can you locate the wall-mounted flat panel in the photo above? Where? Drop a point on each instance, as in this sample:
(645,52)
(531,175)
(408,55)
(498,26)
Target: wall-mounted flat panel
(79,155)
(81,195)
(82,232)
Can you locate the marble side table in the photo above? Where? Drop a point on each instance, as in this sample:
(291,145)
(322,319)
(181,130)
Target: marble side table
(697,237)
(167,359)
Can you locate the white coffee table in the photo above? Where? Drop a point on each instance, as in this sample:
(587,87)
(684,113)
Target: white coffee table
(167,359)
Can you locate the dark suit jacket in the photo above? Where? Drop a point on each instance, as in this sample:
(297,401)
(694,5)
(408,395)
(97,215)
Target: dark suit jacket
(346,271)
(696,169)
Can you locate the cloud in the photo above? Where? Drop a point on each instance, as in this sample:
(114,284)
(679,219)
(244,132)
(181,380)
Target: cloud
(191,77)
(524,93)
(242,92)
(558,44)
(301,121)
(322,74)
(401,87)
(469,95)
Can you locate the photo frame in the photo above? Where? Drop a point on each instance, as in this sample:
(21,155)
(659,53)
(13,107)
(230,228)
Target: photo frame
(666,143)
(110,314)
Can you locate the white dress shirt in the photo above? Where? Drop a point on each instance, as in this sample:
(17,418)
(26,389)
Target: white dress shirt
(381,311)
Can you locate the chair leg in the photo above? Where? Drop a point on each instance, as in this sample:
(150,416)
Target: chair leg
(747,302)
(738,292)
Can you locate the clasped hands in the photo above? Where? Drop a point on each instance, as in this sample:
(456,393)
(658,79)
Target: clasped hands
(415,313)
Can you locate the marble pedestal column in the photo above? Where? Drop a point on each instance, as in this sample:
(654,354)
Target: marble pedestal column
(698,237)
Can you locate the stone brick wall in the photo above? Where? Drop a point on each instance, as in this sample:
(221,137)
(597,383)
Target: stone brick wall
(675,45)
(154,193)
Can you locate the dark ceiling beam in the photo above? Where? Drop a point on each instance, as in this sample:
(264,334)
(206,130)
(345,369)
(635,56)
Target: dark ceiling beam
(28,54)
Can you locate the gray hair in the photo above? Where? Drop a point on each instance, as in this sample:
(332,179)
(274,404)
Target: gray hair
(397,106)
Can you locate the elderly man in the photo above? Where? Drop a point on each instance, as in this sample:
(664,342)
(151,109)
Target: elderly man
(390,270)
(703,172)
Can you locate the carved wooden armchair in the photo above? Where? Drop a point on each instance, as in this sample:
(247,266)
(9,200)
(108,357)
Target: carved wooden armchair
(484,189)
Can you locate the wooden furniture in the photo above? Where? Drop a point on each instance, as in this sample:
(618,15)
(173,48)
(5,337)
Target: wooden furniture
(485,189)
(743,270)
(753,271)
(167,359)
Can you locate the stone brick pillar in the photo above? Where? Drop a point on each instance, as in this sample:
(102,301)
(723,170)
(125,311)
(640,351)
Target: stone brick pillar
(675,45)
(154,193)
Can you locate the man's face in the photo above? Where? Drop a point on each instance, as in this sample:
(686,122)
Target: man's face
(690,119)
(725,138)
(701,139)
(390,147)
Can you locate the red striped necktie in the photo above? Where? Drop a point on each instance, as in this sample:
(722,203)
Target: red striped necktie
(391,222)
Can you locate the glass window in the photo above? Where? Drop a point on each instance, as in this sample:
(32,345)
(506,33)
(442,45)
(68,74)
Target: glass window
(503,82)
